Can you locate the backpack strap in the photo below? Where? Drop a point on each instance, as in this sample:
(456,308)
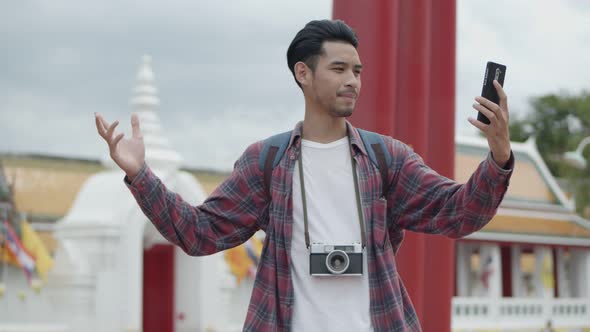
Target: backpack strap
(379,155)
(272,152)
(274,148)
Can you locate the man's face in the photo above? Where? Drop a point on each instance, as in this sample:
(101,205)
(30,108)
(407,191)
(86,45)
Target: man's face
(336,82)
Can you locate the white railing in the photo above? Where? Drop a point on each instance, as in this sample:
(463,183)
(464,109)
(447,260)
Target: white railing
(32,328)
(471,313)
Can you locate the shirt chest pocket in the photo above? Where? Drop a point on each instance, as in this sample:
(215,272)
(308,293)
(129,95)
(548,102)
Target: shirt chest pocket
(379,223)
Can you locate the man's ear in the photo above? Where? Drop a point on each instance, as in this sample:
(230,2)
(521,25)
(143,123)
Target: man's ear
(302,73)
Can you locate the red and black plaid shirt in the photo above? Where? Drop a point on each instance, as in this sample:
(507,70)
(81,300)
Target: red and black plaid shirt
(419,200)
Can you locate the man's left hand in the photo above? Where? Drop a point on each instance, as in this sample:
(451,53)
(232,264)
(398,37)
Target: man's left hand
(497,132)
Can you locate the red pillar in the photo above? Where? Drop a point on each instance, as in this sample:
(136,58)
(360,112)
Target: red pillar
(506,257)
(412,125)
(158,288)
(375,22)
(408,52)
(440,259)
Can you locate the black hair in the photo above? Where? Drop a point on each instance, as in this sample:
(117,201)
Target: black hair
(307,44)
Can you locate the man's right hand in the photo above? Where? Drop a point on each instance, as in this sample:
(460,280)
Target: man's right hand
(127,153)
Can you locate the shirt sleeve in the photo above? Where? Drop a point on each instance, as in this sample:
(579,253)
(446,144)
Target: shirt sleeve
(224,220)
(421,200)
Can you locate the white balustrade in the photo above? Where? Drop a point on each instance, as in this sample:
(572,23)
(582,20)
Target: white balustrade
(485,313)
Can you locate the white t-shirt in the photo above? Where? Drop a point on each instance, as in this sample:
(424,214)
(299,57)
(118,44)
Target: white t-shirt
(334,303)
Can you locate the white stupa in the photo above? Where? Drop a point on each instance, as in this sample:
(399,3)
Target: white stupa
(97,284)
(145,102)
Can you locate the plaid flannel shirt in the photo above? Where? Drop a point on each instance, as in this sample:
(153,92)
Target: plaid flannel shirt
(419,200)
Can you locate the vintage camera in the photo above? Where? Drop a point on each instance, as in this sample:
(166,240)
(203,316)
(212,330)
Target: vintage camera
(335,260)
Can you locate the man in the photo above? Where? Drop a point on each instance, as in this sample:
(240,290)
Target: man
(324,187)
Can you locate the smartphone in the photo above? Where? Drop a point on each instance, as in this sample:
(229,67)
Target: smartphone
(494,71)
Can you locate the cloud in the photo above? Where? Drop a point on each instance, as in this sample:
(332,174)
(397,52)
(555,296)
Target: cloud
(221,70)
(217,141)
(541,43)
(219,65)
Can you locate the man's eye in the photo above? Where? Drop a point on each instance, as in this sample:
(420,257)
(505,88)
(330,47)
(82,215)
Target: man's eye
(338,69)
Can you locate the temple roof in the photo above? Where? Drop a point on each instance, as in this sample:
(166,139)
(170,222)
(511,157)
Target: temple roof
(535,208)
(46,186)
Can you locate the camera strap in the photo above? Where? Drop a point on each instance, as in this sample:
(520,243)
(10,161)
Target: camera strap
(356,191)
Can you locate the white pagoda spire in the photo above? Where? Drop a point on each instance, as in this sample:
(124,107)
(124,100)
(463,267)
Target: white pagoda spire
(145,103)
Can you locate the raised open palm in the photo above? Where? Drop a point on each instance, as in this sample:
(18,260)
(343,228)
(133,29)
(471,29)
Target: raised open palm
(127,153)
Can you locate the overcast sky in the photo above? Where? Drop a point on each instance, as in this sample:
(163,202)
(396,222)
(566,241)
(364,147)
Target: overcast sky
(221,71)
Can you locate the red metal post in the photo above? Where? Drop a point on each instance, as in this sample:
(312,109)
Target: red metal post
(408,52)
(158,288)
(375,22)
(412,125)
(440,258)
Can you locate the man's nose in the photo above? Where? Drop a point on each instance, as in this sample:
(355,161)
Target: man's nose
(352,80)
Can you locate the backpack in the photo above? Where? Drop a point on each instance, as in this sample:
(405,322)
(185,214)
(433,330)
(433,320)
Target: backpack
(274,148)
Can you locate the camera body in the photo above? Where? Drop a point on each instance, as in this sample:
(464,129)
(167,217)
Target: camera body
(327,260)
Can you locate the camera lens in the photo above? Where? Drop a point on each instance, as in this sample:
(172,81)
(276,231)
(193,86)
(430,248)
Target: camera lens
(337,262)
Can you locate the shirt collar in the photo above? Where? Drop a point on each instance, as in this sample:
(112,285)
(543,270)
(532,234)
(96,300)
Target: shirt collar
(354,136)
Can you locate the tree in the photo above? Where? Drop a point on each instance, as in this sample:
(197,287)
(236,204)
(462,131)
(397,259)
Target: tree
(559,122)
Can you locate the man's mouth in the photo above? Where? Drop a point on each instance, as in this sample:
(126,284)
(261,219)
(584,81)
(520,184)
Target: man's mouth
(350,95)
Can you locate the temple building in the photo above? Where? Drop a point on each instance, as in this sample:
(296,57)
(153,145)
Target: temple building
(531,264)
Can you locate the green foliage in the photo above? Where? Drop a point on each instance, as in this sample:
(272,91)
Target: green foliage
(4,194)
(559,122)
(518,130)
(4,188)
